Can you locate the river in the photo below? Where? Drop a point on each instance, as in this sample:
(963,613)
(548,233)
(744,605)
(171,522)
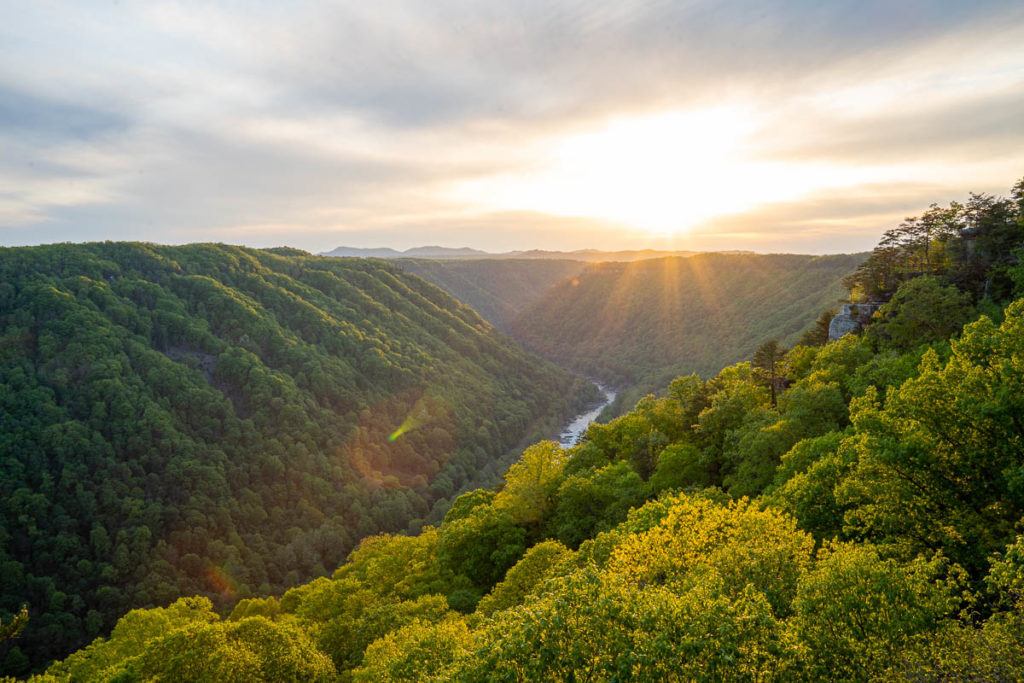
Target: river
(572,431)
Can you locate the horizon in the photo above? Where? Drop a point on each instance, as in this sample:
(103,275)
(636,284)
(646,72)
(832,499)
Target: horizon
(585,250)
(780,128)
(511,253)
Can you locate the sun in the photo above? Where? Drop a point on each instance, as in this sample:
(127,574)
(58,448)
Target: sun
(658,173)
(661,173)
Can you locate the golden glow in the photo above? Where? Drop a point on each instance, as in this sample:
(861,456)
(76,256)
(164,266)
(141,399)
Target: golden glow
(660,174)
(221,581)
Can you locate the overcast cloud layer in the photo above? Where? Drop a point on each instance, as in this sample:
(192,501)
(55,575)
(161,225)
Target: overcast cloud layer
(392,123)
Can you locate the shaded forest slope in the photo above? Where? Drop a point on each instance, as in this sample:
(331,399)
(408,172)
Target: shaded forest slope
(497,289)
(225,421)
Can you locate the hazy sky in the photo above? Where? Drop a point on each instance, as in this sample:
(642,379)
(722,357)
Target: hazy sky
(803,126)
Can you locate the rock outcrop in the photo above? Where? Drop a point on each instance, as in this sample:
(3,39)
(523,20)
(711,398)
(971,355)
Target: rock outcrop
(851,318)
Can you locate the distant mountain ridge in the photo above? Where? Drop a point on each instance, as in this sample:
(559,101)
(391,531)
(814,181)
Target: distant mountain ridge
(415,252)
(637,325)
(435,252)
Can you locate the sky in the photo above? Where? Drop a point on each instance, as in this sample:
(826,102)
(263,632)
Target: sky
(800,126)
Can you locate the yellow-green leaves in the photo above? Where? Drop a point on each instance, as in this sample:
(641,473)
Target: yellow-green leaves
(941,464)
(529,483)
(739,543)
(419,651)
(188,641)
(540,563)
(855,610)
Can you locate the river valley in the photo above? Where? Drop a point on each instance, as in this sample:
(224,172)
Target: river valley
(571,432)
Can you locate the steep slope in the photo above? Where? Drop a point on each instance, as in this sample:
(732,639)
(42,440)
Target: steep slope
(497,289)
(219,420)
(640,324)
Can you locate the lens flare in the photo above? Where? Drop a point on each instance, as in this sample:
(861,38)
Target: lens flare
(380,451)
(221,581)
(417,417)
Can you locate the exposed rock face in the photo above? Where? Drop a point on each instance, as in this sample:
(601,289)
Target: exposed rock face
(851,318)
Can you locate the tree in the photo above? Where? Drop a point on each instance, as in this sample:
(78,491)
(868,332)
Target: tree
(734,398)
(1006,578)
(225,421)
(939,465)
(768,361)
(817,335)
(467,502)
(530,482)
(806,481)
(992,232)
(402,566)
(742,545)
(913,495)
(251,649)
(970,245)
(420,651)
(633,437)
(680,465)
(12,658)
(481,546)
(855,610)
(131,637)
(600,626)
(594,501)
(993,651)
(345,616)
(922,310)
(541,562)
(690,393)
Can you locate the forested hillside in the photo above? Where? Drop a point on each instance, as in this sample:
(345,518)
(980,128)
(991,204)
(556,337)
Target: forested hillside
(849,510)
(228,422)
(639,324)
(497,289)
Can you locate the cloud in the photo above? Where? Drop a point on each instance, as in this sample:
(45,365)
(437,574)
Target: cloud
(311,123)
(847,220)
(977,128)
(29,116)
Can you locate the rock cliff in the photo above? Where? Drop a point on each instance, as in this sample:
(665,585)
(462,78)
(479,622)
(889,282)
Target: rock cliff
(851,318)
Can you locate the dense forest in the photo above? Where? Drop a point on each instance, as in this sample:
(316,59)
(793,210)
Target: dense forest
(497,289)
(847,510)
(229,422)
(638,325)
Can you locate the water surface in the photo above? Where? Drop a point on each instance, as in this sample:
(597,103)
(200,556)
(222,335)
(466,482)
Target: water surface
(574,430)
